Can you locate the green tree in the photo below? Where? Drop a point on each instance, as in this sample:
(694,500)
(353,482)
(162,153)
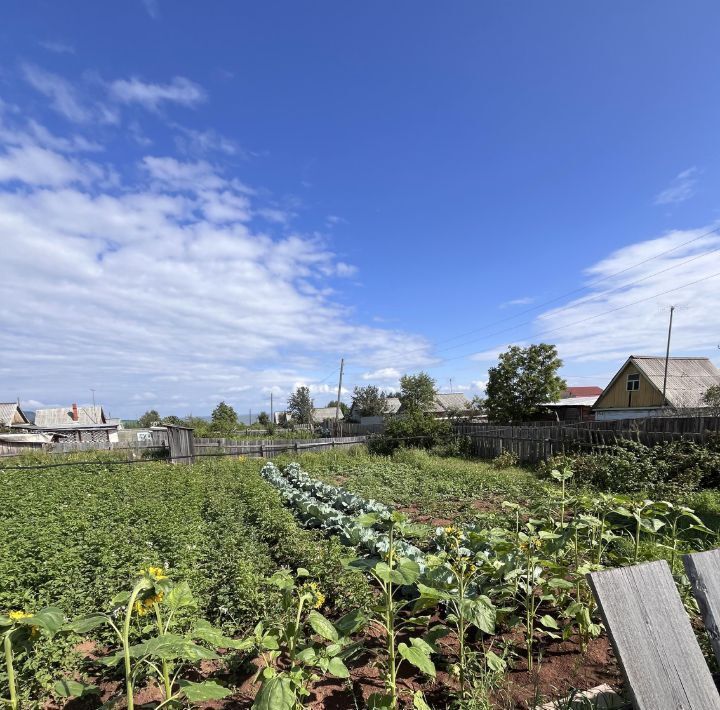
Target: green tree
(300,406)
(417,392)
(149,418)
(522,381)
(172,419)
(369,401)
(343,407)
(263,419)
(224,418)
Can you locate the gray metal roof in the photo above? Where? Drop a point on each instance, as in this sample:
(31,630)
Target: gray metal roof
(320,414)
(88,415)
(7,413)
(687,381)
(456,400)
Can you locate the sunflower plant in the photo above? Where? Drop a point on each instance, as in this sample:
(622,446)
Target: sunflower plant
(153,605)
(304,646)
(20,630)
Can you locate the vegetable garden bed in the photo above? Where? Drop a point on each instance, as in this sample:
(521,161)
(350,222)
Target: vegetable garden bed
(359,603)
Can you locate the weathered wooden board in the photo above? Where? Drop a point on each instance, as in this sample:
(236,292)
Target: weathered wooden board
(653,640)
(703,570)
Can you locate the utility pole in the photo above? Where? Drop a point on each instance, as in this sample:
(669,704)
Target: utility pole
(337,405)
(93,393)
(272,419)
(250,418)
(451,386)
(667,356)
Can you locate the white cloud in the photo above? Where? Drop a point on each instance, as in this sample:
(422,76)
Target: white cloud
(628,314)
(62,95)
(57,47)
(152,7)
(34,165)
(161,288)
(65,98)
(526,300)
(384,373)
(196,142)
(180,91)
(680,189)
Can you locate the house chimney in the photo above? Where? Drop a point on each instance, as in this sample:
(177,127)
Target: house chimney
(74,412)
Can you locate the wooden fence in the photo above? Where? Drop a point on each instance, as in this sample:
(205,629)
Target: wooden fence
(538,442)
(269,448)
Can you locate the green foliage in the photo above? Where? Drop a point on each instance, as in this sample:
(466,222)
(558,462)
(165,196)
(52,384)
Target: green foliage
(522,381)
(667,469)
(149,418)
(73,536)
(369,401)
(417,392)
(411,430)
(300,406)
(224,419)
(172,419)
(263,419)
(506,459)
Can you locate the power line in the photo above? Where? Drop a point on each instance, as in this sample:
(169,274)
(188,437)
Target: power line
(597,315)
(578,290)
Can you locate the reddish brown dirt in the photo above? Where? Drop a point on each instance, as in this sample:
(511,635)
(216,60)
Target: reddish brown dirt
(561,668)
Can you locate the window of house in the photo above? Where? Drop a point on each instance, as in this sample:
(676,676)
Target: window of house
(633,383)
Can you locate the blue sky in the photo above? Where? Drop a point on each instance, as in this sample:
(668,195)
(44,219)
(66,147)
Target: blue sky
(212,203)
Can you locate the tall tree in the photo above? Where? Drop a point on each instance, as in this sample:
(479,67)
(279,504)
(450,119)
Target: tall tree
(224,418)
(369,401)
(149,418)
(523,380)
(417,392)
(300,405)
(263,419)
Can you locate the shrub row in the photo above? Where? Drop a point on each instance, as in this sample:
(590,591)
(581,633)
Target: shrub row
(666,469)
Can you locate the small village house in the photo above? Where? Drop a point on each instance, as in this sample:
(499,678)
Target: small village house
(392,405)
(11,415)
(76,423)
(575,404)
(446,406)
(636,391)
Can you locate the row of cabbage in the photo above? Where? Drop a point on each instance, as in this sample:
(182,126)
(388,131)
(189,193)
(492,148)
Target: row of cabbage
(335,511)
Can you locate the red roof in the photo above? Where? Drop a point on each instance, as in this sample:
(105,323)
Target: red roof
(582,392)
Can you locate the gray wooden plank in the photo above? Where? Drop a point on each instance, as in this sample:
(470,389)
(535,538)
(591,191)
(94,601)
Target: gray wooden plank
(653,640)
(703,570)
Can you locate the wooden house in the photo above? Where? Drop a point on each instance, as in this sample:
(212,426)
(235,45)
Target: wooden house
(77,423)
(636,391)
(11,415)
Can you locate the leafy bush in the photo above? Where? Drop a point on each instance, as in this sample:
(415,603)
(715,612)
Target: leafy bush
(412,430)
(665,469)
(507,459)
